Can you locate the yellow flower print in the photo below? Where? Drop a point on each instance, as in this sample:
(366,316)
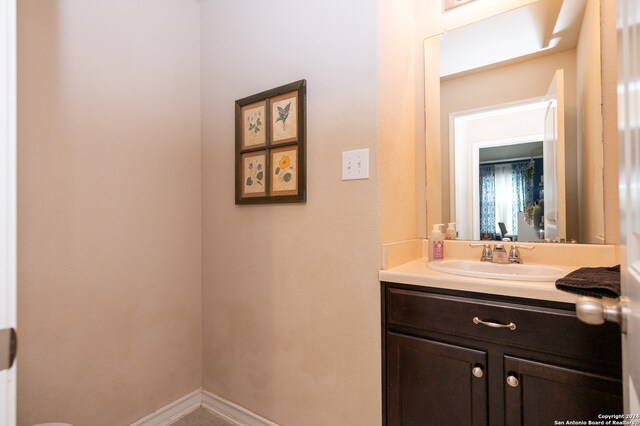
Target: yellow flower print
(285,162)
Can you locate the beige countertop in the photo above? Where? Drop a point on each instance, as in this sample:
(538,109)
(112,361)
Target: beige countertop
(416,272)
(405,262)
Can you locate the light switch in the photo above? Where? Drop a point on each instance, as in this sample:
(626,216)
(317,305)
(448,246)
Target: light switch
(355,164)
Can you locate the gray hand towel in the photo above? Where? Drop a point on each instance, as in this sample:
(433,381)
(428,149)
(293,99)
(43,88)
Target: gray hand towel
(595,282)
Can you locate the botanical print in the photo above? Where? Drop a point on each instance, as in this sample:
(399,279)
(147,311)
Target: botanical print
(253,174)
(253,122)
(284,118)
(284,163)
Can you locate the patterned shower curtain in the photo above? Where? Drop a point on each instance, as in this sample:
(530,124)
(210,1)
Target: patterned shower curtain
(521,195)
(487,200)
(522,188)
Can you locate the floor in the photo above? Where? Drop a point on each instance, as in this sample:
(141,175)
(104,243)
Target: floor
(202,417)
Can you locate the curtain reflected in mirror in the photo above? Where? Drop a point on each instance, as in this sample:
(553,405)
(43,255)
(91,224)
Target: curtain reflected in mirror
(510,188)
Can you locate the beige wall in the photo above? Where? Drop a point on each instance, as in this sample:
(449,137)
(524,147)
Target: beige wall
(589,128)
(522,80)
(426,110)
(109,258)
(397,93)
(609,64)
(291,305)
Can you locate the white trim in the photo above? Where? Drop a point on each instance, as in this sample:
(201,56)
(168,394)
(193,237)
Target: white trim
(173,411)
(233,412)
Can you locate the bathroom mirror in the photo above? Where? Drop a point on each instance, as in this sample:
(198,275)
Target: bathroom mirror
(520,146)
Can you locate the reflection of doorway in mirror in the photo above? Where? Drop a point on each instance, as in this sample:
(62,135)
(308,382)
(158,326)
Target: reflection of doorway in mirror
(510,182)
(508,134)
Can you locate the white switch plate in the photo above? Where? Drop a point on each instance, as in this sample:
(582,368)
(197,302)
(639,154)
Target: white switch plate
(355,164)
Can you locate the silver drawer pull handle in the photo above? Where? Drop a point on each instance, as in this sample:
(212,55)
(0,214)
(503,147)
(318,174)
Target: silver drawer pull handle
(512,381)
(510,326)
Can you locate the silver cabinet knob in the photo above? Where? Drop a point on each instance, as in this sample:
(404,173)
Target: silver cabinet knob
(512,381)
(477,372)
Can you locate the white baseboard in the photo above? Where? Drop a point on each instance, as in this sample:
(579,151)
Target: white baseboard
(173,411)
(233,413)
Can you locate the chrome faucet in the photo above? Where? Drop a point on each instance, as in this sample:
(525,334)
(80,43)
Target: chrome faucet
(487,253)
(514,253)
(499,254)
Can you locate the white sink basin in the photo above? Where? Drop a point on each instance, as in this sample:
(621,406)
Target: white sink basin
(515,272)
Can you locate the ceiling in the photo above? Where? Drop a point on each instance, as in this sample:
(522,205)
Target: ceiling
(538,28)
(511,152)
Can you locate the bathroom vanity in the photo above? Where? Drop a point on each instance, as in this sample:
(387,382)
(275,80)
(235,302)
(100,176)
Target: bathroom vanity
(460,357)
(454,357)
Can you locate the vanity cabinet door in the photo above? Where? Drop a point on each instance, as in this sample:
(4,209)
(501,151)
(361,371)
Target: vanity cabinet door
(539,394)
(434,383)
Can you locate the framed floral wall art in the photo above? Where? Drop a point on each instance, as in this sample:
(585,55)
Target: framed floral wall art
(284,171)
(254,174)
(253,125)
(284,126)
(271,146)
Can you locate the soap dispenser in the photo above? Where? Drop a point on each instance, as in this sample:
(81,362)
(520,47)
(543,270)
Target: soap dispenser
(436,243)
(451,233)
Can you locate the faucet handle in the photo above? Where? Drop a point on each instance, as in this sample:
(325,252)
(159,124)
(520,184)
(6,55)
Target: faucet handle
(514,253)
(487,254)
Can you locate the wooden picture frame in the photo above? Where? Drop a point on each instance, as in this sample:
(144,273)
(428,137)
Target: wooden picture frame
(271,146)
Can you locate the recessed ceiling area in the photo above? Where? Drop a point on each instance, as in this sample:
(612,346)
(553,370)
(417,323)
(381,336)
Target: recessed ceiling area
(514,152)
(539,28)
(450,4)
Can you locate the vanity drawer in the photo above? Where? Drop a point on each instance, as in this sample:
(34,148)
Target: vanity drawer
(543,329)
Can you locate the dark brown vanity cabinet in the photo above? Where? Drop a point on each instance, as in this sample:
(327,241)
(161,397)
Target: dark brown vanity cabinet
(432,380)
(459,358)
